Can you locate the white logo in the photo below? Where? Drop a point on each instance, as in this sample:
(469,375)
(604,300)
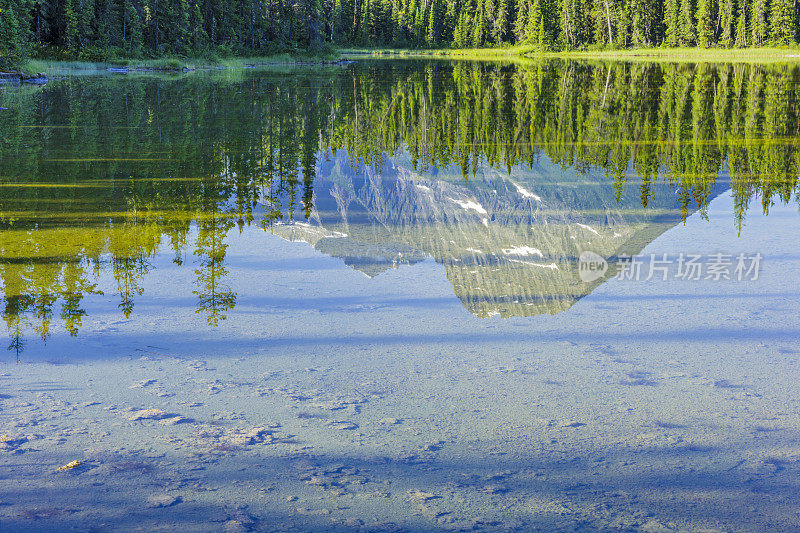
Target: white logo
(591,266)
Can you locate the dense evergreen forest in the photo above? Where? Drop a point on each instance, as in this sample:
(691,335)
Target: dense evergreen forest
(105,29)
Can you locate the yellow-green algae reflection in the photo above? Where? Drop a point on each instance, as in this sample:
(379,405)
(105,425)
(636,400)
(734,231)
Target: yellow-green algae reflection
(103,173)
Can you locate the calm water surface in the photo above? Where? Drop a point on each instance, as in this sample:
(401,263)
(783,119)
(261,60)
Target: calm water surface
(402,295)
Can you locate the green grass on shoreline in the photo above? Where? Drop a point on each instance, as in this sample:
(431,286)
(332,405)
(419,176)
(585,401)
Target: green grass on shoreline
(500,53)
(525,53)
(692,55)
(173,64)
(515,54)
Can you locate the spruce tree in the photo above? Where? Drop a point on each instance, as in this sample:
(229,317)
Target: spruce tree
(726,23)
(705,23)
(782,22)
(89,28)
(603,13)
(685,34)
(435,18)
(70,27)
(535,31)
(12,41)
(542,39)
(197,34)
(624,24)
(521,21)
(741,25)
(501,26)
(461,36)
(671,17)
(758,22)
(133,27)
(480,26)
(489,13)
(642,21)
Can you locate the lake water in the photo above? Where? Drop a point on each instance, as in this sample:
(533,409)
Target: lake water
(402,296)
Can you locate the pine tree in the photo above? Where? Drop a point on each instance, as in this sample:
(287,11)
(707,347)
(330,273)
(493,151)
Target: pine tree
(460,35)
(726,23)
(758,22)
(685,34)
(782,21)
(313,17)
(419,24)
(70,27)
(364,22)
(624,23)
(489,14)
(570,24)
(741,25)
(705,24)
(542,40)
(521,21)
(98,28)
(604,14)
(176,19)
(502,25)
(435,19)
(12,35)
(478,36)
(132,28)
(535,26)
(197,33)
(643,19)
(449,22)
(671,17)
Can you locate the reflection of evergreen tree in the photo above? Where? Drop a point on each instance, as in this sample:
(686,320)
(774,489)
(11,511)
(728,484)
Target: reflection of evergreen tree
(68,210)
(214,296)
(128,272)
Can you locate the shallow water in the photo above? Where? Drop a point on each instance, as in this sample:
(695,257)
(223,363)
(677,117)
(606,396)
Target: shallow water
(402,295)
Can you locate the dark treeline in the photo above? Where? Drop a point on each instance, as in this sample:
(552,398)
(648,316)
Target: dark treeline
(100,174)
(103,29)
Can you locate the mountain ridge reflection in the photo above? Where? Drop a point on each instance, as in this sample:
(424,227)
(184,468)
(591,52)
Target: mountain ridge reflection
(503,174)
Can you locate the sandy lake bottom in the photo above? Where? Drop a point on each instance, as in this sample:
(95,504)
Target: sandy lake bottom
(329,400)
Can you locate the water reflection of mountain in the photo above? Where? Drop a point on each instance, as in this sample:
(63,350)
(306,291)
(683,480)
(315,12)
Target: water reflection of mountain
(100,175)
(509,242)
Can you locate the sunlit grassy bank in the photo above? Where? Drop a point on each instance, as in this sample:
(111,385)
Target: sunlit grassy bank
(518,53)
(691,54)
(167,64)
(500,53)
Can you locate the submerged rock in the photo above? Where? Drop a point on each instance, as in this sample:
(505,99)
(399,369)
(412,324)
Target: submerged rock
(420,496)
(256,435)
(178,419)
(143,383)
(70,466)
(342,424)
(495,488)
(163,500)
(10,444)
(147,414)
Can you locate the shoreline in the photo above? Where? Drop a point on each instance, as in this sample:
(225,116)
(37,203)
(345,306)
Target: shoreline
(34,69)
(529,54)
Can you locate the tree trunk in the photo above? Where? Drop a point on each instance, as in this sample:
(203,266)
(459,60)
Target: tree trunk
(608,20)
